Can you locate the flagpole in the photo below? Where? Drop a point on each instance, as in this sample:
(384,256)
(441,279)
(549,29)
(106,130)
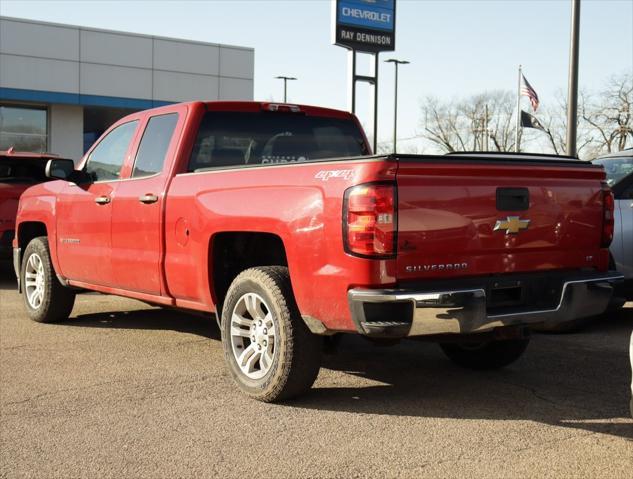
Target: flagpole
(517,147)
(486,127)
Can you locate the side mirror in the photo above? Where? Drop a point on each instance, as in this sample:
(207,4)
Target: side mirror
(64,169)
(60,169)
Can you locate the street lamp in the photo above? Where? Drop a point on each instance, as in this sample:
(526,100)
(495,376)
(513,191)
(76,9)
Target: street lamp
(395,100)
(285,79)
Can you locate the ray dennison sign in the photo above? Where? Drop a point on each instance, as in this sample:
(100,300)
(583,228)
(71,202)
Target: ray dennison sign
(364,25)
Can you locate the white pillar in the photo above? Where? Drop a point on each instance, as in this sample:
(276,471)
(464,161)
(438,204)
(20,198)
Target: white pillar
(66,131)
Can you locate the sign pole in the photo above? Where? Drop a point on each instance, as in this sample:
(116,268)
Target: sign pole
(352,79)
(572,92)
(368,27)
(375,103)
(395,110)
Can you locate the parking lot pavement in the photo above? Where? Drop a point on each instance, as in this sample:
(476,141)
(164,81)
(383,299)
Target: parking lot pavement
(126,390)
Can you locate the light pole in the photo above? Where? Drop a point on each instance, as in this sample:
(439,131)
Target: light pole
(285,79)
(572,88)
(395,100)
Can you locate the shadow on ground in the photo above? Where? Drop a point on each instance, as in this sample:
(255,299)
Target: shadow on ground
(579,381)
(151,319)
(7,276)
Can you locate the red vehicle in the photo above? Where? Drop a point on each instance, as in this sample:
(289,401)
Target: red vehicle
(18,171)
(276,218)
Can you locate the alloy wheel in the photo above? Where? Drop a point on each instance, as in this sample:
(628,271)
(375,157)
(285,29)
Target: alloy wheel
(253,336)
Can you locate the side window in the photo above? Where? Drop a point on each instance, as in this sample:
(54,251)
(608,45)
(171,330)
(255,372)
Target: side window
(154,144)
(105,161)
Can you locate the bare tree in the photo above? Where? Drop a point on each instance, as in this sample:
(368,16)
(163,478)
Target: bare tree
(610,114)
(605,122)
(463,125)
(553,118)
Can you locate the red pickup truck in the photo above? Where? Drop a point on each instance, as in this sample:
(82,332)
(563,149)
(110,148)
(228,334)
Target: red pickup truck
(18,171)
(277,219)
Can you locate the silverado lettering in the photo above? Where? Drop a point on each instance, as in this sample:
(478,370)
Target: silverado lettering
(434,267)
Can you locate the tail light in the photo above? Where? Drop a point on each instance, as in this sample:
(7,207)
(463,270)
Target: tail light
(607,216)
(369,220)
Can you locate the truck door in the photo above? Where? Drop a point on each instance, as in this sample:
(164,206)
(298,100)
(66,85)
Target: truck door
(137,210)
(84,211)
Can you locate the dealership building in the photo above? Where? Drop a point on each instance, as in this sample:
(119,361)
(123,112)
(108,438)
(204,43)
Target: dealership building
(61,86)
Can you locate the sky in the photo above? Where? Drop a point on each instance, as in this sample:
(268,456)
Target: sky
(457,48)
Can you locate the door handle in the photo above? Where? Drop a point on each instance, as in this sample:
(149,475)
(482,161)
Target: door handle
(102,200)
(147,199)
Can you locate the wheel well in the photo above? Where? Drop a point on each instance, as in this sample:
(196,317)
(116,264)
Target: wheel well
(29,230)
(232,253)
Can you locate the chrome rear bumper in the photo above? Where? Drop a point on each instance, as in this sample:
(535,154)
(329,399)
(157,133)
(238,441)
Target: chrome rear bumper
(401,313)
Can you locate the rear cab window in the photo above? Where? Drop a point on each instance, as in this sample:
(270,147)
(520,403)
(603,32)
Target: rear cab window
(154,145)
(227,139)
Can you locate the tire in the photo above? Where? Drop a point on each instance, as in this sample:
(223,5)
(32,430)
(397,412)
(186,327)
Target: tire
(45,298)
(482,356)
(274,366)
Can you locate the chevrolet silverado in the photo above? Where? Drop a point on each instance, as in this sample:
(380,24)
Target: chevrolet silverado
(278,219)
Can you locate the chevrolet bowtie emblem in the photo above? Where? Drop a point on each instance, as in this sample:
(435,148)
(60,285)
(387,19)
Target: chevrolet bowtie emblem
(512,225)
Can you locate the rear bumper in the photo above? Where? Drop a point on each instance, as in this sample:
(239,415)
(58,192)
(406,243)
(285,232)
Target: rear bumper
(402,313)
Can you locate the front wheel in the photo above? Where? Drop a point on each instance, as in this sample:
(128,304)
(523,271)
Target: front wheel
(486,355)
(270,352)
(45,298)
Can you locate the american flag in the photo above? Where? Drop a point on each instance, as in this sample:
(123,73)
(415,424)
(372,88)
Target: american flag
(528,91)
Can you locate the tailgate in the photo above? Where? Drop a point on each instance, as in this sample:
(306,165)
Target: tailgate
(477,217)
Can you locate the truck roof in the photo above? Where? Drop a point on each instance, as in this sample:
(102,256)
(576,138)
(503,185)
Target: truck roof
(255,106)
(618,154)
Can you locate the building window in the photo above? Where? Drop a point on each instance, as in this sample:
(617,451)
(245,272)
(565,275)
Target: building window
(23,128)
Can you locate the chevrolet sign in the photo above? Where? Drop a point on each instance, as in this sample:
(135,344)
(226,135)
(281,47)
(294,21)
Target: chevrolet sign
(364,25)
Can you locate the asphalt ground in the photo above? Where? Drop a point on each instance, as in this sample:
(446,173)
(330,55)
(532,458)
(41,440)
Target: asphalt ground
(125,390)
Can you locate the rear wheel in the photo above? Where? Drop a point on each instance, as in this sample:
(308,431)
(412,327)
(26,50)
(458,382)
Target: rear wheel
(45,298)
(269,350)
(487,355)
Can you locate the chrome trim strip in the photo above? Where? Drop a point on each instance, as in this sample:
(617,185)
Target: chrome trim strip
(384,295)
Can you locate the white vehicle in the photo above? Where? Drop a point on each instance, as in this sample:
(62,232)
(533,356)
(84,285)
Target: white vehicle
(619,169)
